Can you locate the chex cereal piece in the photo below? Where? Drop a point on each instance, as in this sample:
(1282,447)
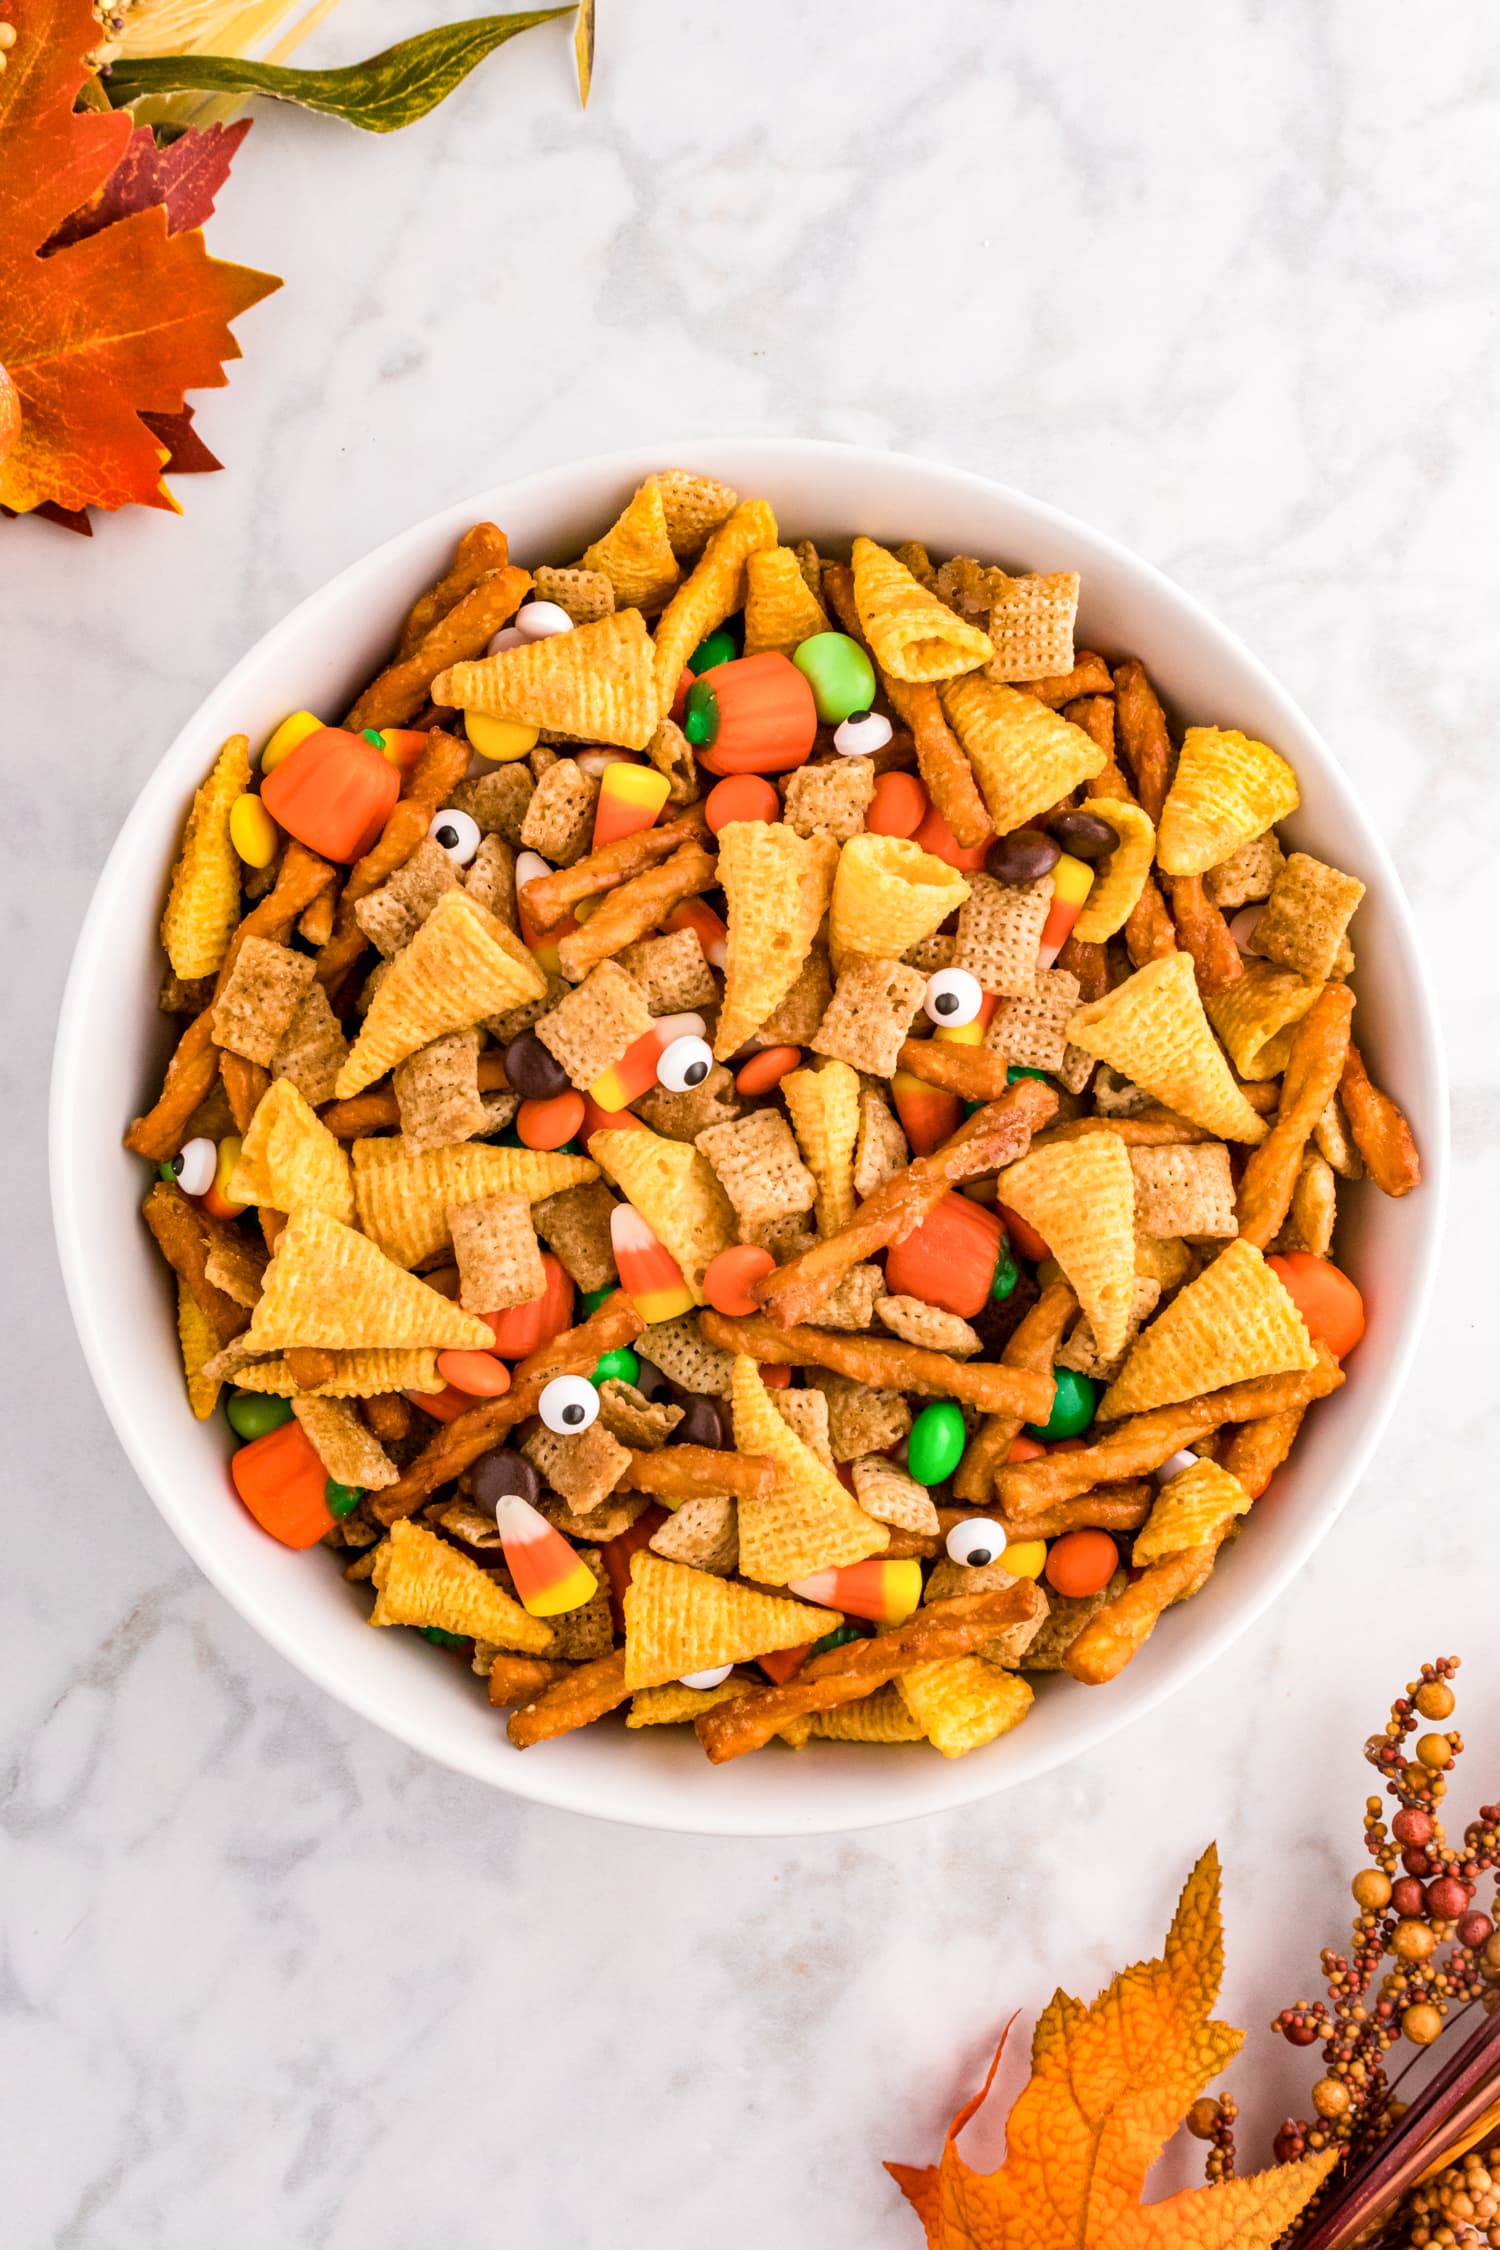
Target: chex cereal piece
(1075,1070)
(881,1150)
(851,1306)
(1059,1629)
(582,1467)
(805,1413)
(312,1050)
(495,1247)
(694,506)
(559,820)
(786,1238)
(968,586)
(675,1705)
(714,591)
(1306,916)
(490,878)
(259,999)
(437,1091)
(1234,1322)
(420,1580)
(203,901)
(930,954)
(1080,1197)
(328,1286)
(1153,1029)
(1081,1351)
(834,797)
(461,966)
(1009,1647)
(1247,874)
(237,1267)
(513,1021)
(1314,1212)
(289,1158)
(888,1494)
(1257,1016)
(807,1521)
(590,1030)
(1121,878)
(861,1419)
(1025,756)
(675,1192)
(672,972)
(824,1108)
(359,1374)
(584,594)
(781,611)
(199,1346)
(913,556)
(678,1350)
(868,1016)
(757,1164)
(403,1194)
(1000,932)
(670,751)
(497,800)
(391,916)
(704,1533)
(793,1020)
(1227,788)
(641,1423)
(887,895)
(635,554)
(777,886)
(810,564)
(1030,1029)
(961,1702)
(582,1634)
(680,1620)
(929,1327)
(913,635)
(595,683)
(881,1717)
(1184,1191)
(1165,1260)
(1190,1508)
(348,1451)
(604,1523)
(1332,1138)
(1031,626)
(682,1117)
(575,1227)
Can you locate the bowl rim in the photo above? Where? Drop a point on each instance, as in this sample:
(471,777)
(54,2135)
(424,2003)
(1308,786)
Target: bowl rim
(555,1783)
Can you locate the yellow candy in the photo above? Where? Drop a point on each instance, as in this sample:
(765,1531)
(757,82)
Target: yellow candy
(252,831)
(283,742)
(498,739)
(1024,1558)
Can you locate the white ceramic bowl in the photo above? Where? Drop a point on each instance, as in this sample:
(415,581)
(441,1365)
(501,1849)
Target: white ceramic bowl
(112,1043)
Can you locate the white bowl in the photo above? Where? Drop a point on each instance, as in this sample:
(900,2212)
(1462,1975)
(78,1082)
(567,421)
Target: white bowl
(112,1043)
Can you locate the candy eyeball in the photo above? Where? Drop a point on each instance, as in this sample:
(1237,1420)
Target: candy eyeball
(857,737)
(569,1404)
(953,996)
(715,1676)
(976,1541)
(684,1065)
(509,636)
(538,621)
(195,1165)
(457,832)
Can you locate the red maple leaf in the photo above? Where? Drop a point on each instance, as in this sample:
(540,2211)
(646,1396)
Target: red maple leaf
(184,177)
(108,328)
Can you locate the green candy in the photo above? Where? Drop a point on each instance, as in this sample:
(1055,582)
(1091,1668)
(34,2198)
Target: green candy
(342,1499)
(1023,1070)
(440,1639)
(839,673)
(251,1415)
(592,1299)
(1072,1408)
(836,1639)
(1007,1274)
(622,1363)
(936,1444)
(700,719)
(719,648)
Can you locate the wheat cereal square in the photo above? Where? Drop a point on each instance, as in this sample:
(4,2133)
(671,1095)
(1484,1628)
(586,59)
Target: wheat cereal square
(1184,1191)
(1000,933)
(833,797)
(880,1150)
(574,1224)
(682,1117)
(1031,626)
(560,818)
(1247,875)
(1030,1028)
(1307,915)
(644,1424)
(502,1029)
(795,1018)
(261,995)
(870,1013)
(490,880)
(806,1413)
(581,1467)
(497,801)
(851,1306)
(860,1418)
(437,1091)
(592,1028)
(495,1246)
(759,1168)
(679,1350)
(672,972)
(312,1050)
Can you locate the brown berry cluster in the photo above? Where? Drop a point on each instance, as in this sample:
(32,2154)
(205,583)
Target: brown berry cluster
(1458,2209)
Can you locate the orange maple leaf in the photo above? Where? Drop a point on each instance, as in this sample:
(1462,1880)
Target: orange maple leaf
(1109,2085)
(118,325)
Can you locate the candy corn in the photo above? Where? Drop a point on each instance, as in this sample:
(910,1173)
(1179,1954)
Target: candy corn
(216,1196)
(530,866)
(630,798)
(885,1592)
(928,1114)
(614,1088)
(713,935)
(549,1575)
(1072,880)
(970,1034)
(649,1275)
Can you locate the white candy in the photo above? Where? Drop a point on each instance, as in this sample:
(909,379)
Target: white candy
(975,1541)
(867,731)
(715,1676)
(1175,1466)
(509,636)
(1245,924)
(195,1167)
(538,621)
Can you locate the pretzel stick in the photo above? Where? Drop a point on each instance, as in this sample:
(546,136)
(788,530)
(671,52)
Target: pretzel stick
(461,1441)
(316,924)
(1320,1046)
(1149,931)
(521,1679)
(1203,932)
(1094,715)
(994,1136)
(977,1073)
(842,1675)
(309,1365)
(546,898)
(1090,676)
(377,1107)
(426,790)
(185,1235)
(687,1472)
(576,1700)
(1378,1130)
(1119,1631)
(482,549)
(1143,735)
(1089,963)
(1257,1449)
(1141,1443)
(389,1416)
(1032,1344)
(398,693)
(244,1083)
(1109,1507)
(887,1364)
(1149,1128)
(636,907)
(946,773)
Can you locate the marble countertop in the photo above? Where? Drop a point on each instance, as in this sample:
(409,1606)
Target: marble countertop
(1222,281)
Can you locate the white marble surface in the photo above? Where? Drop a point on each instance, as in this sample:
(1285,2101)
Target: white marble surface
(1222,280)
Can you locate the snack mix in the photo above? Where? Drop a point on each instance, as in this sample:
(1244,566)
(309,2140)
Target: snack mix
(753,1138)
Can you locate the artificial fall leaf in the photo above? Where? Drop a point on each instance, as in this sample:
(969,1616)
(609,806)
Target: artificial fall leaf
(183,177)
(109,328)
(1109,2085)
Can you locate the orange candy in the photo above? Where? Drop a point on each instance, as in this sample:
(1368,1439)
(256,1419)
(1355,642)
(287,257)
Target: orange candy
(754,715)
(597,1120)
(549,1124)
(1024,1448)
(476,1374)
(767,1069)
(743,796)
(1025,1238)
(284,1485)
(726,1284)
(1327,1299)
(776,1377)
(522,1329)
(898,806)
(950,1259)
(334,793)
(1081,1562)
(937,837)
(445,1405)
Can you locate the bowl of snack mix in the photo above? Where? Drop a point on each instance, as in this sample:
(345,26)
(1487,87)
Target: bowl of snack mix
(782,1103)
